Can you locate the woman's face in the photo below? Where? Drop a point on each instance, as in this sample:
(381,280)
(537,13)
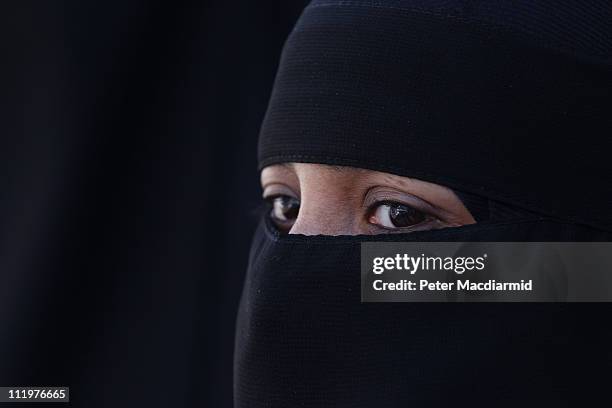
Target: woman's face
(314,199)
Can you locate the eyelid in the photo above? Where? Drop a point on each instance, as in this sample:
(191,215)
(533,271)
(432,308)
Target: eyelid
(278,189)
(384,195)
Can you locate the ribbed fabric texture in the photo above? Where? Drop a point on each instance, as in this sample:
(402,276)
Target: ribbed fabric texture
(579,28)
(508,100)
(304,339)
(485,209)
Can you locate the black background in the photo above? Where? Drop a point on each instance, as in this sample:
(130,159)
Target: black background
(128,185)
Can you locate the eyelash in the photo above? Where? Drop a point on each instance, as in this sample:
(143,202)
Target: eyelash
(374,207)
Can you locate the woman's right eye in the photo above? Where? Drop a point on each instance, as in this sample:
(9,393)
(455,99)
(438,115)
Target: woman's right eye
(284,211)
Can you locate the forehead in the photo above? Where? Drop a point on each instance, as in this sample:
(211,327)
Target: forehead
(349,181)
(338,178)
(302,171)
(303,168)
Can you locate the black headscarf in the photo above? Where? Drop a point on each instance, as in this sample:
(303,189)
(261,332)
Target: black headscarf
(504,100)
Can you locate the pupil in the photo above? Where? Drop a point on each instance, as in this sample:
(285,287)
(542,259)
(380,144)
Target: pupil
(404,216)
(290,207)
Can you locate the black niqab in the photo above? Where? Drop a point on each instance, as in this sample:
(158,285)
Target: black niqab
(504,100)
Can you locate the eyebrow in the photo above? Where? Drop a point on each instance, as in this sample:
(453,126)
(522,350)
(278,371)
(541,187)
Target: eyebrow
(335,168)
(345,169)
(338,169)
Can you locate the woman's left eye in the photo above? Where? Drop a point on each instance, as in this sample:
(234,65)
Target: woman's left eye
(395,215)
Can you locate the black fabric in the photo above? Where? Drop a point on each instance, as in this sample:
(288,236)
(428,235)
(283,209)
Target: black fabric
(507,103)
(511,110)
(304,339)
(478,206)
(484,209)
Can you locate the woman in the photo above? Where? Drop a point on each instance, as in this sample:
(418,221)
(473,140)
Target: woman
(438,120)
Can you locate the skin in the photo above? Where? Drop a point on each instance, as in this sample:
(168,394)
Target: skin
(335,200)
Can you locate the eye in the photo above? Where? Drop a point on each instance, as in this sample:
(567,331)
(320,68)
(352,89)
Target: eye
(284,210)
(395,215)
